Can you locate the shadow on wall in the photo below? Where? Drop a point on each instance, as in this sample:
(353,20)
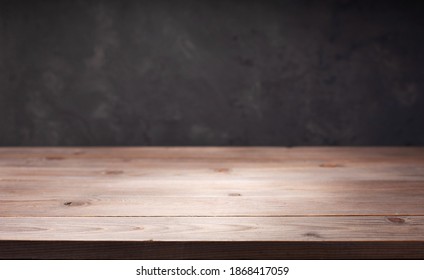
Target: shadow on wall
(211,73)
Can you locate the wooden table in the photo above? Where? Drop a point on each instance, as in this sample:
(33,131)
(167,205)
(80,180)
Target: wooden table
(206,203)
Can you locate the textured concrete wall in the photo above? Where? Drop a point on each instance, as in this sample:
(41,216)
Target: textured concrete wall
(211,72)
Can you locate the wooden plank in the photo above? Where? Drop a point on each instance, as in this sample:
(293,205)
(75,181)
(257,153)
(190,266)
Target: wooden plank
(362,228)
(263,154)
(26,189)
(212,206)
(223,172)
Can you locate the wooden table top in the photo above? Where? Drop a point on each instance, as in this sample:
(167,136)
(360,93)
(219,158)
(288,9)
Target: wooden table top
(210,195)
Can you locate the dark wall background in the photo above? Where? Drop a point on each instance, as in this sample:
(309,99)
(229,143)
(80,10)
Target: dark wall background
(211,72)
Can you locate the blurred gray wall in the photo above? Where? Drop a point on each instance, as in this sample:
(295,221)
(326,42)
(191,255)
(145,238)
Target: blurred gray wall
(211,72)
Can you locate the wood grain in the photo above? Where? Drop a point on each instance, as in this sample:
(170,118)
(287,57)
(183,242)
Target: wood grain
(201,195)
(106,206)
(359,228)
